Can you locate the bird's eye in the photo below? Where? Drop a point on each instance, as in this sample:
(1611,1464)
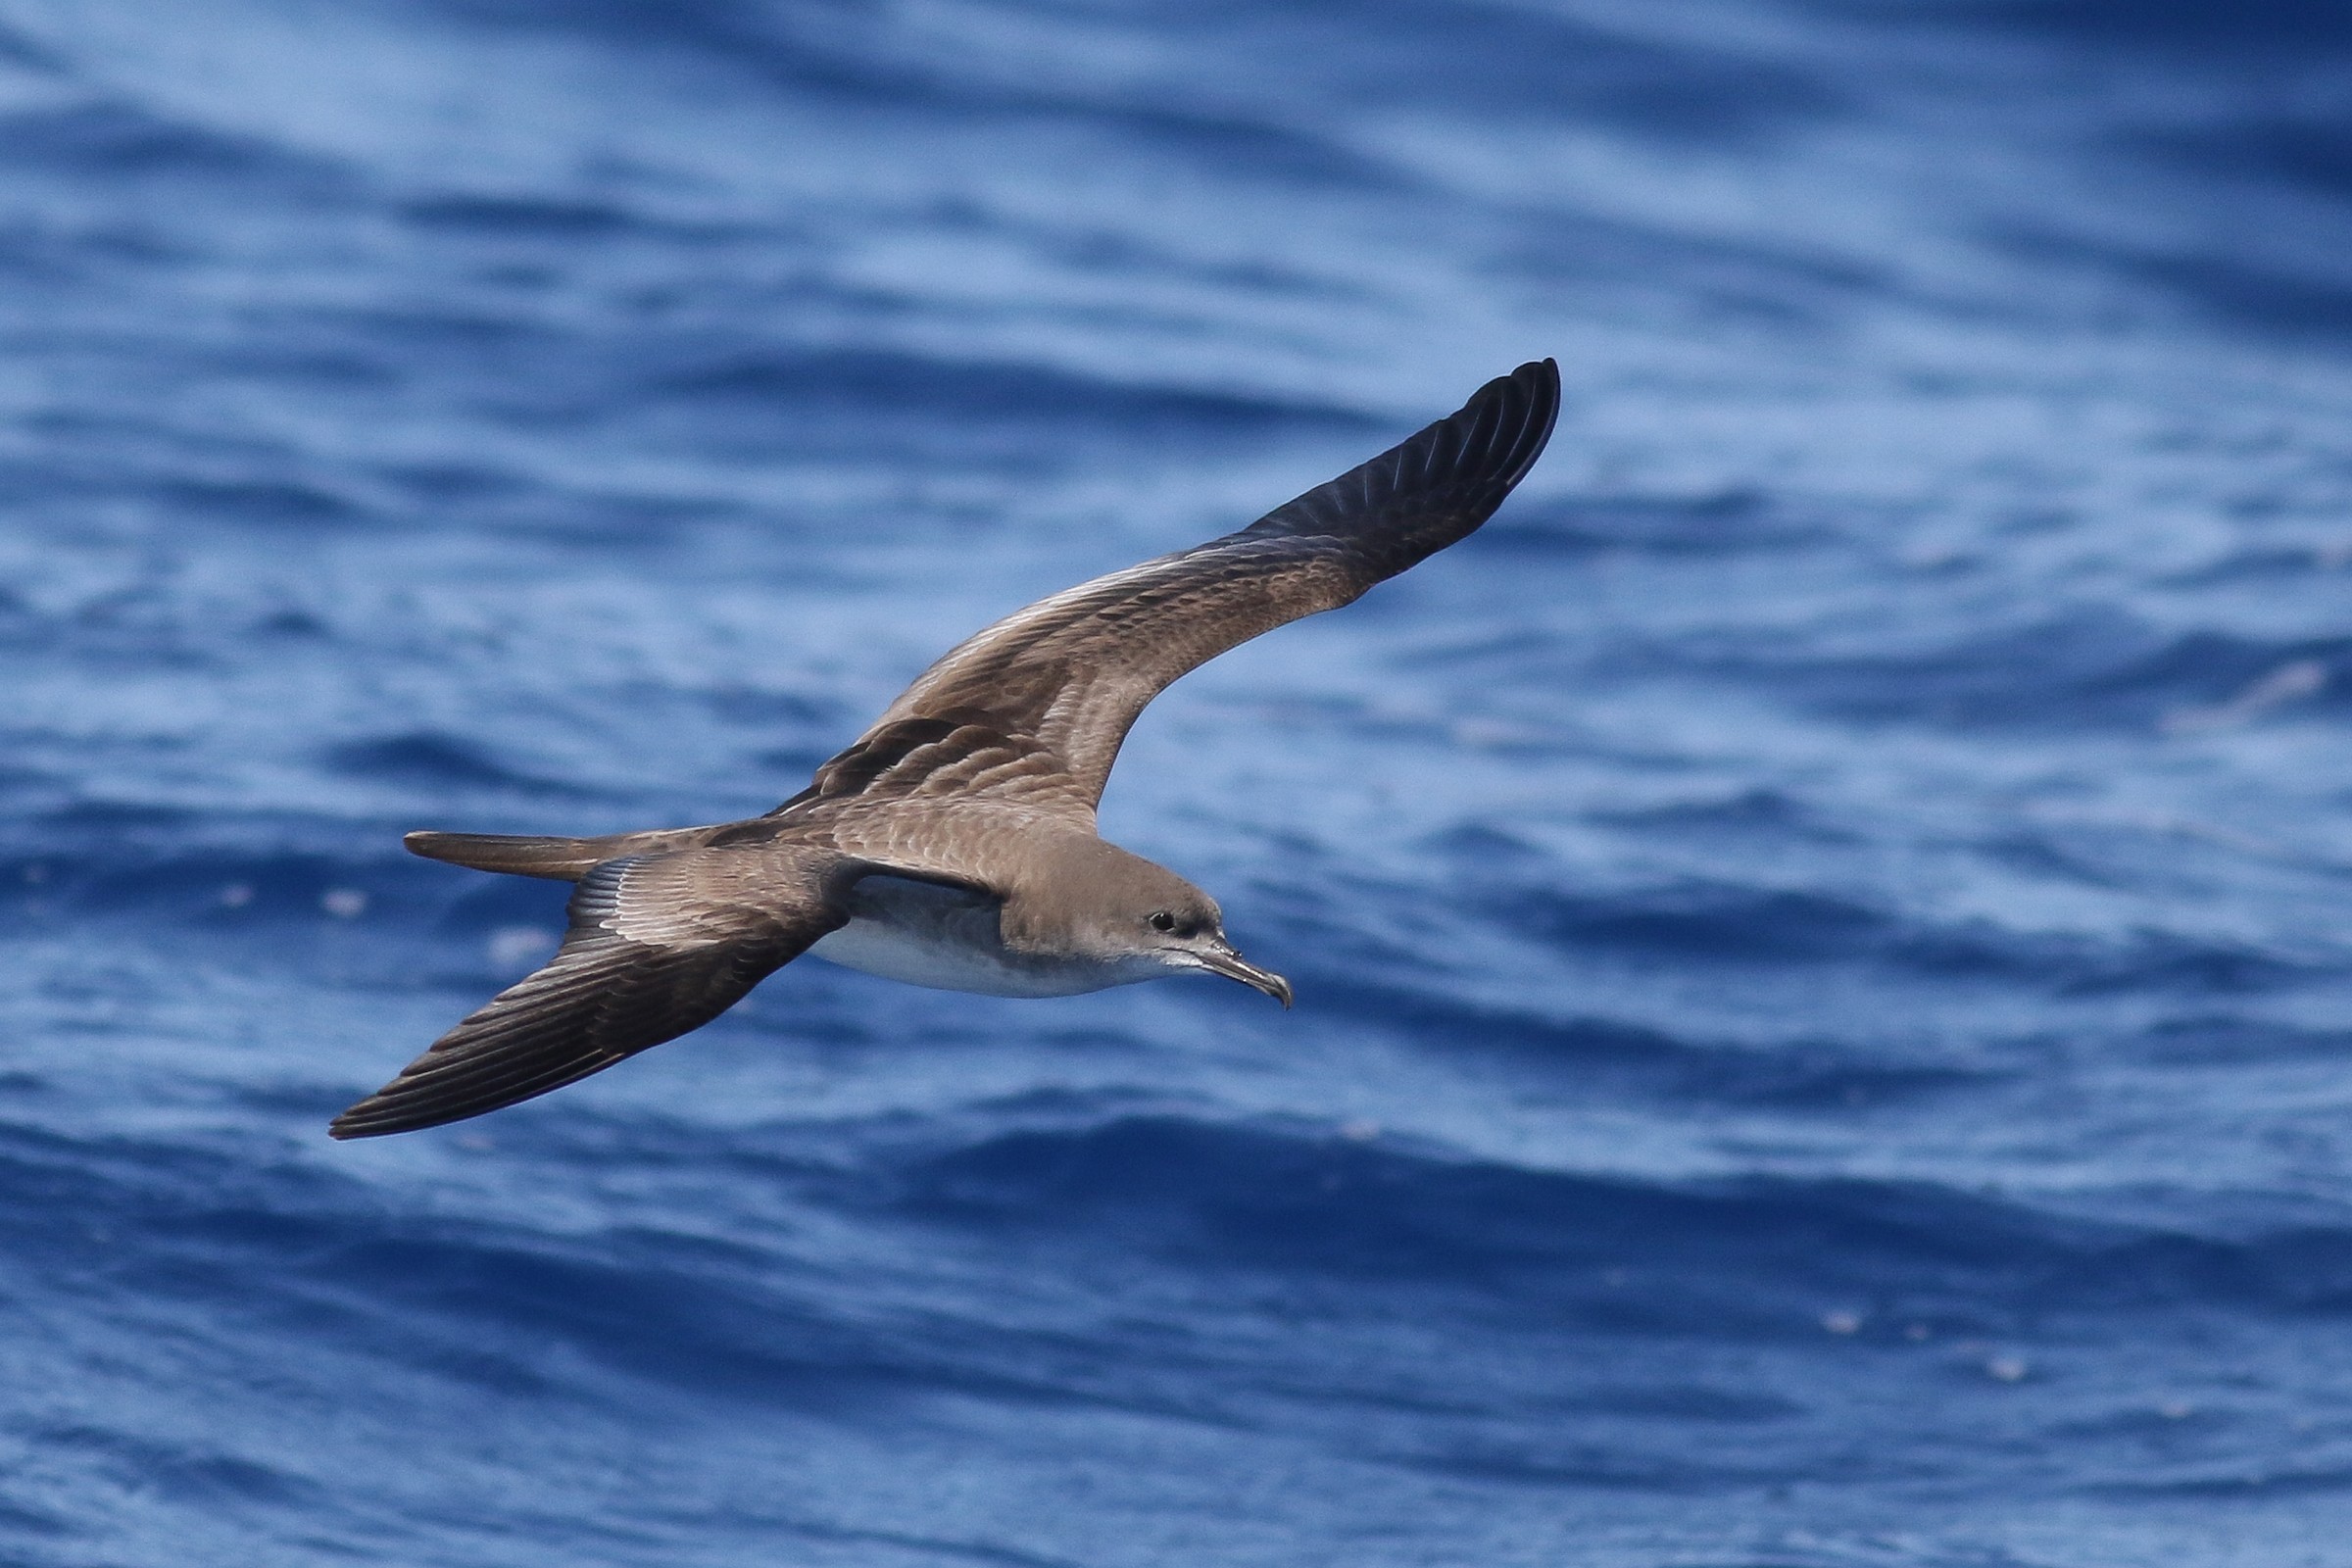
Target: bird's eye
(1162,921)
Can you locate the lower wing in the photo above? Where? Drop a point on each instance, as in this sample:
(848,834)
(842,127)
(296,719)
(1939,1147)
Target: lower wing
(659,946)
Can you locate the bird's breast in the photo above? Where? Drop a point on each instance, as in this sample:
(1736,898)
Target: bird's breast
(948,938)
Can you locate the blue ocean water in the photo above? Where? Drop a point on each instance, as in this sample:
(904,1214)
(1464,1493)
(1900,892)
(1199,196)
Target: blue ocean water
(1823,934)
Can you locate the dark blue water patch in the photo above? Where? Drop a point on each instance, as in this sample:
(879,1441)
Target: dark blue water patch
(337,366)
(1595,1058)
(99,834)
(1438,54)
(1760,814)
(97,448)
(2255,31)
(2046,857)
(516,1314)
(122,140)
(428,760)
(1682,1403)
(1831,1080)
(82,258)
(737,405)
(36,256)
(25,1520)
(289,625)
(1264,149)
(2093,668)
(1727,523)
(722,24)
(2228,288)
(1705,922)
(1691,95)
(236,892)
(486,1311)
(2210,669)
(767,709)
(2231,1480)
(866,385)
(453,329)
(1699,923)
(1722,1258)
(137,625)
(446,483)
(1442,56)
(208,1221)
(2237,291)
(612,524)
(282,502)
(1485,844)
(95,817)
(19,50)
(1195,1192)
(563,222)
(1744,282)
(2208,1040)
(649,1316)
(197,1478)
(1602,1047)
(1557,1465)
(476,905)
(1112,253)
(826,51)
(259,899)
(2307,154)
(178,487)
(2282,562)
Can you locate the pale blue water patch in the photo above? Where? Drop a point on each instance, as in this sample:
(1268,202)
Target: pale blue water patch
(1822,933)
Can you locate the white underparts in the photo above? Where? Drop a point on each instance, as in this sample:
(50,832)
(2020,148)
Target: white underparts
(947,938)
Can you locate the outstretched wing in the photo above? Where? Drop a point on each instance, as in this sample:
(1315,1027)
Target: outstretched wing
(1036,706)
(659,945)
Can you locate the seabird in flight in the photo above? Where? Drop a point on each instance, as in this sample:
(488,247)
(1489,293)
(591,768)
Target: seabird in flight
(953,843)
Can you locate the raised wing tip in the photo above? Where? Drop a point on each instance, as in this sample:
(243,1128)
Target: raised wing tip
(1434,486)
(1538,377)
(1539,381)
(1498,435)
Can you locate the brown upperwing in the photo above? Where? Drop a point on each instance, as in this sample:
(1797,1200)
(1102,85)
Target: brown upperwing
(1032,711)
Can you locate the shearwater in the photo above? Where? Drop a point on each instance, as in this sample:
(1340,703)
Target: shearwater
(954,845)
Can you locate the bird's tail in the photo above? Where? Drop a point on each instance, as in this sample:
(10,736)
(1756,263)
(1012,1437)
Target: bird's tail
(530,855)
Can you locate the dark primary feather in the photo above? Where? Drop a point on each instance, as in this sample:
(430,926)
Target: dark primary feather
(651,954)
(1041,699)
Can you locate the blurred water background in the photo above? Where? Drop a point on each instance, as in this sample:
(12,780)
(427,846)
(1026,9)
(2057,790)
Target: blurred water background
(1823,934)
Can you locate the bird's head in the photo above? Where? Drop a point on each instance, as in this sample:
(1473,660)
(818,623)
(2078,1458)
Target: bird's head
(1092,899)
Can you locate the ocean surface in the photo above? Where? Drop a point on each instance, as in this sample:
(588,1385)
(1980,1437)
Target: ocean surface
(1823,934)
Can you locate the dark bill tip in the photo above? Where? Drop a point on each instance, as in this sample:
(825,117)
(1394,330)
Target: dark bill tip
(1233,966)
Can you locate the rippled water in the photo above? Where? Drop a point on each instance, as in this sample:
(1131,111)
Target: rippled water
(1823,934)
